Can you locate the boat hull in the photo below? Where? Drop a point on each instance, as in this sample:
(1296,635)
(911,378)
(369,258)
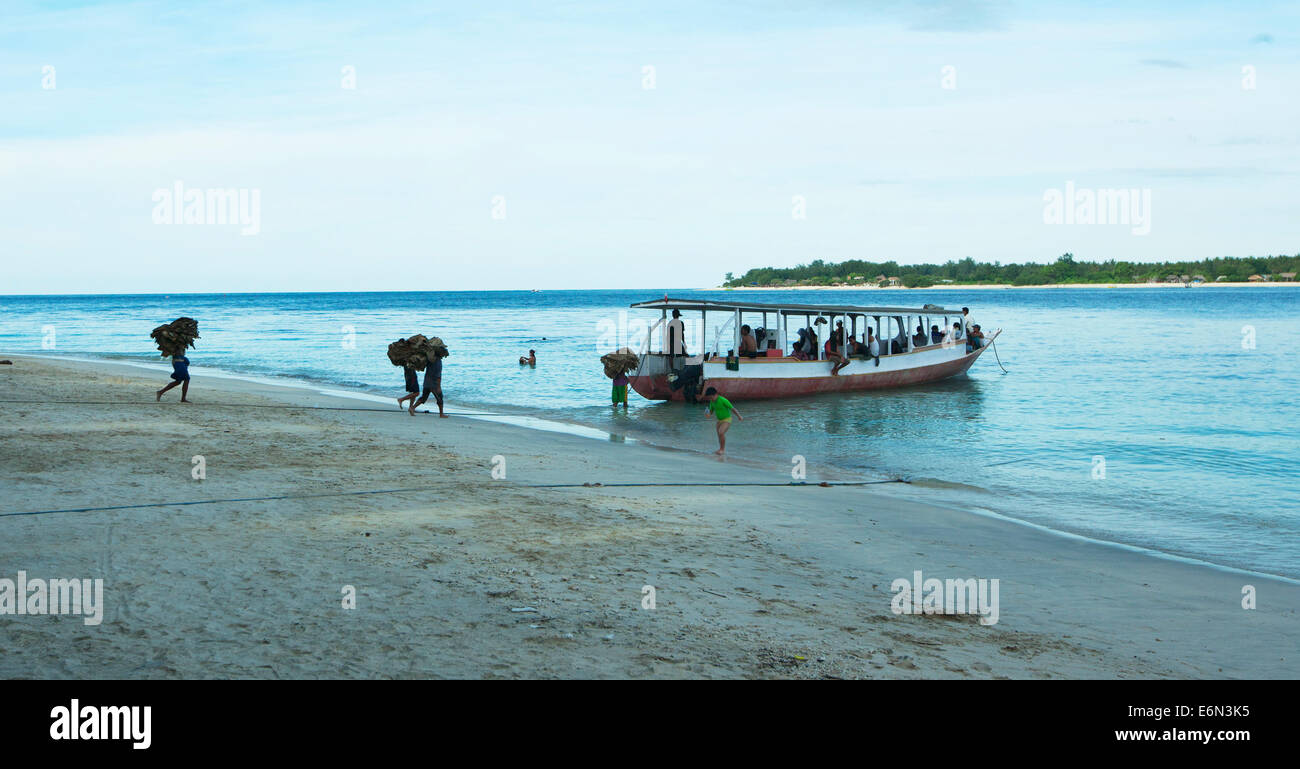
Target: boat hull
(786,378)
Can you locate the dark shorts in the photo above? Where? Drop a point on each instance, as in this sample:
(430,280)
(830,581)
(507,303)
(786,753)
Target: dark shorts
(412,382)
(179,377)
(432,387)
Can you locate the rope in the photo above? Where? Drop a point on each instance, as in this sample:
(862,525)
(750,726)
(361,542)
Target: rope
(994,345)
(425,490)
(267,406)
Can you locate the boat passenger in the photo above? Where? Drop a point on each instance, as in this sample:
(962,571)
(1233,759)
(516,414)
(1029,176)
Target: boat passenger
(967,320)
(899,343)
(918,339)
(976,337)
(936,336)
(798,352)
(675,338)
(748,344)
(833,354)
(873,345)
(811,344)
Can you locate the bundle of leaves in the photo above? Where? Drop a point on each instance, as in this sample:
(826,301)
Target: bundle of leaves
(176,337)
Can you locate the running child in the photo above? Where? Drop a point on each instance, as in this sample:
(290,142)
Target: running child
(721,408)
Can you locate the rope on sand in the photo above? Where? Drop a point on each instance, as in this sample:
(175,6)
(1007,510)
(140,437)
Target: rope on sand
(425,490)
(822,484)
(267,406)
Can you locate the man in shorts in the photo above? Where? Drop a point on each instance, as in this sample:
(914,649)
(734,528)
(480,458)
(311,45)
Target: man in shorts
(180,376)
(432,386)
(412,387)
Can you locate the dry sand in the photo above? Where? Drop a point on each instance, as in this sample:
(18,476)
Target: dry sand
(750,581)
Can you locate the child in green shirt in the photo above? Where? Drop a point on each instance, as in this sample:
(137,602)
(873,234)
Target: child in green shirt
(721,408)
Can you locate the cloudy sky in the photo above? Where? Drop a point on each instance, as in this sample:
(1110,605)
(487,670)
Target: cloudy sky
(611,145)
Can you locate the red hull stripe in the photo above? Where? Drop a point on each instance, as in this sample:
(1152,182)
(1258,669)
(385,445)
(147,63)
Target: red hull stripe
(755,388)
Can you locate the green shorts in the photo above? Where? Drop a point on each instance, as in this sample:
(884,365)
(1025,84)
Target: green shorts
(619,394)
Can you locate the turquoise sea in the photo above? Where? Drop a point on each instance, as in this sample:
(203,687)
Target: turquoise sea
(1162,418)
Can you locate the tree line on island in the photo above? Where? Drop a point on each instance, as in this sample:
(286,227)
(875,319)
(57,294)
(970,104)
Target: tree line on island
(856,272)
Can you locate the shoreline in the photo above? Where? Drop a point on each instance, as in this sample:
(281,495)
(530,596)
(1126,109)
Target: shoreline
(758,578)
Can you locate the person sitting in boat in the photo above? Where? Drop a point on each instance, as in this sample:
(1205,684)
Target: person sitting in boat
(936,336)
(967,321)
(899,343)
(748,344)
(796,352)
(976,337)
(919,338)
(814,343)
(855,348)
(531,360)
(958,335)
(806,347)
(833,353)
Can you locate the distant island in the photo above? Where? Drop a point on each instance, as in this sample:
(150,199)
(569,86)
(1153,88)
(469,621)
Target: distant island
(1064,271)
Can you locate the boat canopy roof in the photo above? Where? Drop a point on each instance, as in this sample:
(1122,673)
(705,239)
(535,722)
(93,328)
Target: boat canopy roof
(668,303)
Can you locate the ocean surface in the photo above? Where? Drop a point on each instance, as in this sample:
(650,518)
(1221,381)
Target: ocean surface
(1163,418)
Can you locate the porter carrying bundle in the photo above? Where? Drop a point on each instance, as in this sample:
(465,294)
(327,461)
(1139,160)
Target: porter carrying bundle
(176,337)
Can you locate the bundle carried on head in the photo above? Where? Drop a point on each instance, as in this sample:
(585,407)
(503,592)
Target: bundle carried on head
(416,351)
(175,337)
(619,363)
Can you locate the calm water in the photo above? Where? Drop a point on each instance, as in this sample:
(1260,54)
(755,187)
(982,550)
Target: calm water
(1197,431)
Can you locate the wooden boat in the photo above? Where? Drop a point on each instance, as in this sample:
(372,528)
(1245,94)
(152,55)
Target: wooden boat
(779,371)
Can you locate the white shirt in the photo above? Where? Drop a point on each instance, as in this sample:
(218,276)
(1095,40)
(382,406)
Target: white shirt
(675,330)
(873,347)
(969,322)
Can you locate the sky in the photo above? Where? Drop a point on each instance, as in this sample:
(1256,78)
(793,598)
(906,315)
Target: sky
(469,146)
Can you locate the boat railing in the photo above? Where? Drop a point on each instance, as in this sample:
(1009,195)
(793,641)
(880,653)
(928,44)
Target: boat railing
(649,334)
(717,334)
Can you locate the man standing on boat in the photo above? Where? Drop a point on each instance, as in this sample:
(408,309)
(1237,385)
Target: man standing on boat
(675,339)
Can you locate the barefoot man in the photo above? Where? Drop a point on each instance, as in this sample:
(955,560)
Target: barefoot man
(412,387)
(432,386)
(180,376)
(721,408)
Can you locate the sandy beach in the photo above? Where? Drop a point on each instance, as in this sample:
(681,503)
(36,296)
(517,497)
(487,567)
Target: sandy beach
(459,574)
